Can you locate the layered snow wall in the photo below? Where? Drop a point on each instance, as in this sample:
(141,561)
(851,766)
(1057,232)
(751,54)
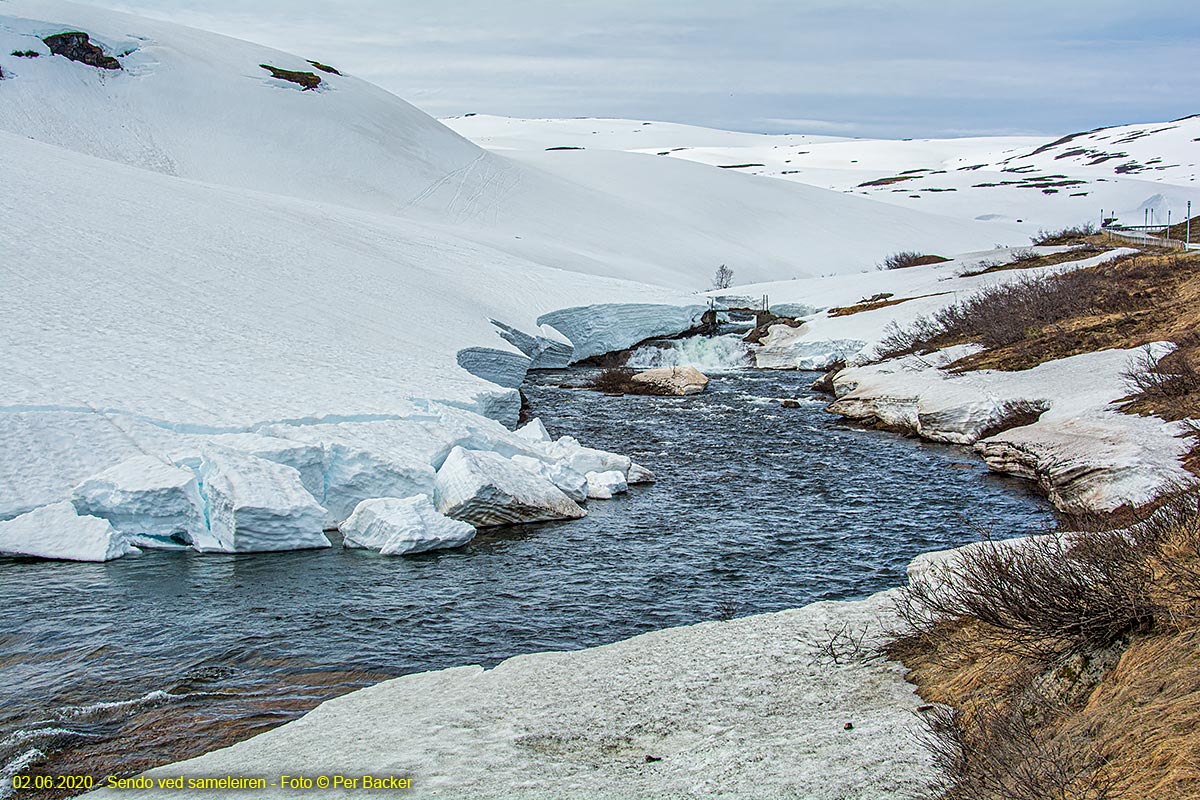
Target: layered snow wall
(400,485)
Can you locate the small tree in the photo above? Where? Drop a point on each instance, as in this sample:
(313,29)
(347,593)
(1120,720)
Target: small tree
(722,278)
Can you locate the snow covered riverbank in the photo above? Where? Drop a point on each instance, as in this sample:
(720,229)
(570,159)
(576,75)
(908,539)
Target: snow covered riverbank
(747,708)
(1068,434)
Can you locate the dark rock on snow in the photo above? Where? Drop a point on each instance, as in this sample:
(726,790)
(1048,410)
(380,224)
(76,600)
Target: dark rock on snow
(324,67)
(306,80)
(77,46)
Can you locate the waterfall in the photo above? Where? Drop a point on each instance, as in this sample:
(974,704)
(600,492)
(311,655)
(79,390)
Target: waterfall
(707,354)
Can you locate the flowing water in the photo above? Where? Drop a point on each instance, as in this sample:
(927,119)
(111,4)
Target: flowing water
(112,668)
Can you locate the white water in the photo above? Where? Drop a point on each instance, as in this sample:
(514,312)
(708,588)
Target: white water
(707,354)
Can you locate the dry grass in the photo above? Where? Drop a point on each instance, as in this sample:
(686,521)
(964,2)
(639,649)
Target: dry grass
(1029,259)
(1110,712)
(1125,303)
(1076,234)
(1179,231)
(1167,387)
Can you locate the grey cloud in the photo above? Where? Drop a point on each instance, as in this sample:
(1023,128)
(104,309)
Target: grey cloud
(871,67)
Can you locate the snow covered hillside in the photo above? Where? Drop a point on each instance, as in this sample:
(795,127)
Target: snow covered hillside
(145,314)
(205,107)
(1021,180)
(213,246)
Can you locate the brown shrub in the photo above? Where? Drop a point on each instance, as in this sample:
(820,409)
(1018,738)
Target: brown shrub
(619,381)
(1049,597)
(1007,313)
(1168,385)
(910,258)
(1055,696)
(1075,234)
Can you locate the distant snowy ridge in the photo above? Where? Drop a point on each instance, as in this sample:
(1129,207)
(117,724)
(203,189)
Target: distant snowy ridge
(1028,181)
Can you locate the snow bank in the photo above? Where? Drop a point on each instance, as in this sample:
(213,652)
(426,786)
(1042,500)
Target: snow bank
(534,430)
(255,505)
(394,527)
(741,709)
(58,532)
(486,489)
(1084,453)
(146,498)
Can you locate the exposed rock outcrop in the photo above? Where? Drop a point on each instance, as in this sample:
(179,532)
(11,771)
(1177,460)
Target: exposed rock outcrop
(78,46)
(305,80)
(672,381)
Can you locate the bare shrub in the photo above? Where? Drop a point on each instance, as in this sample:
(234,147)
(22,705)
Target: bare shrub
(845,644)
(722,278)
(1023,255)
(1071,661)
(618,381)
(1170,535)
(1049,598)
(1074,234)
(909,258)
(1171,377)
(727,610)
(1007,313)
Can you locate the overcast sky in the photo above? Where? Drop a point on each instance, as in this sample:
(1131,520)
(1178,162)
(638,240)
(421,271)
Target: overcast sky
(899,68)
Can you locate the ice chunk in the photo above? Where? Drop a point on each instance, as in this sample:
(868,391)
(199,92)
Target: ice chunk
(603,485)
(395,527)
(501,368)
(573,484)
(255,505)
(535,431)
(473,432)
(639,474)
(307,457)
(57,531)
(608,327)
(484,488)
(586,459)
(543,353)
(357,474)
(145,497)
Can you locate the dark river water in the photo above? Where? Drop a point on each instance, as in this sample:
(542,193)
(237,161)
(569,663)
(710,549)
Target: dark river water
(113,668)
